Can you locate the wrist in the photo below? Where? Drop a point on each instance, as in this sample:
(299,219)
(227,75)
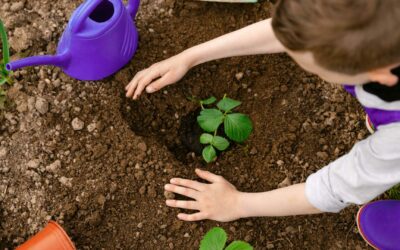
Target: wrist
(191,57)
(241,211)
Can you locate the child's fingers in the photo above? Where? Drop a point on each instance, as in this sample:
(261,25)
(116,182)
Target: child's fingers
(208,176)
(159,84)
(132,85)
(144,82)
(192,217)
(188,192)
(191,205)
(188,183)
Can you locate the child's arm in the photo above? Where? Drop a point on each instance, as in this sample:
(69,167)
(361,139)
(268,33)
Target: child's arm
(257,38)
(220,200)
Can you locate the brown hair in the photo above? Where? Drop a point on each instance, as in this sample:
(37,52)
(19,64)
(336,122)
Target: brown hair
(348,36)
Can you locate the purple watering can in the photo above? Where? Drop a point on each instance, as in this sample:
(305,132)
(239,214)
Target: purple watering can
(99,40)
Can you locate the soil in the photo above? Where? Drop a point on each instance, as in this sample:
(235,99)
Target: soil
(82,154)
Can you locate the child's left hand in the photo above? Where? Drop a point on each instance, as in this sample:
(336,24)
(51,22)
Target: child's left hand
(218,200)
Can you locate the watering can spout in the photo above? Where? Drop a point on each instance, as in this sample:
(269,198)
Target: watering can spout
(57,60)
(132,7)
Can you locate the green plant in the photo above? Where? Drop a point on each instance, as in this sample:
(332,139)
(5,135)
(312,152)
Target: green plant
(237,126)
(215,239)
(5,76)
(394,192)
(4,73)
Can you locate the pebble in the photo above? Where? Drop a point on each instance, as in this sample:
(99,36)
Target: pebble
(322,155)
(239,76)
(53,167)
(66,181)
(101,200)
(140,225)
(17,6)
(41,105)
(77,124)
(169,195)
(33,163)
(270,246)
(142,146)
(3,152)
(91,127)
(285,183)
(253,151)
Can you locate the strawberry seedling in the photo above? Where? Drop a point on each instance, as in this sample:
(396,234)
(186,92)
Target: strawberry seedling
(215,239)
(237,126)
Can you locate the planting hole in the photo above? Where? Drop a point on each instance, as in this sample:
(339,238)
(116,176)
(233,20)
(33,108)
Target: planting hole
(103,12)
(181,136)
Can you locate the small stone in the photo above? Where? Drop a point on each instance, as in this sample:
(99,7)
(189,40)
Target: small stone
(285,183)
(290,230)
(140,225)
(66,181)
(284,88)
(77,124)
(253,151)
(186,235)
(142,146)
(239,76)
(280,163)
(54,166)
(322,155)
(169,195)
(270,246)
(142,190)
(3,152)
(41,105)
(33,163)
(101,200)
(17,6)
(91,127)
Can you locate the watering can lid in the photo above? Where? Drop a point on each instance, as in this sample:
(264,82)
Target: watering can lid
(83,25)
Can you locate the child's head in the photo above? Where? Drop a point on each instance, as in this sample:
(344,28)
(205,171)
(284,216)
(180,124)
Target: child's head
(342,41)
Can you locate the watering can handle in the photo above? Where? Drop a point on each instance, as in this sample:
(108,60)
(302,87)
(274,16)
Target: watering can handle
(132,7)
(84,13)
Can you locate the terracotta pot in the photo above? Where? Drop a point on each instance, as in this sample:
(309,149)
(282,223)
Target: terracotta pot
(52,237)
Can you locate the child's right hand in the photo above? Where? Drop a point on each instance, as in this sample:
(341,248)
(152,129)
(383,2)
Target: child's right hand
(159,75)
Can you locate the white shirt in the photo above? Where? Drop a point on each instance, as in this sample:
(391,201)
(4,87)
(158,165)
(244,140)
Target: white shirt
(368,170)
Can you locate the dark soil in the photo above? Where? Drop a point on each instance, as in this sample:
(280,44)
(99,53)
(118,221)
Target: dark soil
(104,183)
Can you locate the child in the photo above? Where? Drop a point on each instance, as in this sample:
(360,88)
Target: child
(352,42)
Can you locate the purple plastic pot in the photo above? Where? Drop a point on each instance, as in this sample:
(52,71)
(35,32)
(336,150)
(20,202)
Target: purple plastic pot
(99,40)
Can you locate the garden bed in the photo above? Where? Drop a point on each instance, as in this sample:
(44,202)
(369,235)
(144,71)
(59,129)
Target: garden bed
(104,182)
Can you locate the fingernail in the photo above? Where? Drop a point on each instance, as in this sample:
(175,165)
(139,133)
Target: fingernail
(150,90)
(167,186)
(173,180)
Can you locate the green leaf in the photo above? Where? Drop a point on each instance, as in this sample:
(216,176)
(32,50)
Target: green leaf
(238,127)
(206,138)
(394,192)
(227,104)
(4,40)
(3,80)
(220,143)
(239,245)
(209,154)
(215,239)
(209,101)
(210,119)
